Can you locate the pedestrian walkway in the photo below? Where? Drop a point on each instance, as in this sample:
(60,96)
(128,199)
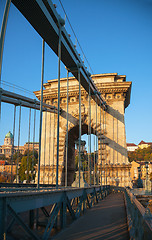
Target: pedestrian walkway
(106,220)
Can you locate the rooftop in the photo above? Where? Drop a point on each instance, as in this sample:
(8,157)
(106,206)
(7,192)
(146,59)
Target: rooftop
(9,135)
(131,145)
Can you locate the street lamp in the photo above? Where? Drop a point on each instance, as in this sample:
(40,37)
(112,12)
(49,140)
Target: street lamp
(139,181)
(146,182)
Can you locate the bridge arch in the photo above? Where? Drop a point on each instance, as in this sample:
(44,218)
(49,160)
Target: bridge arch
(73,135)
(116,92)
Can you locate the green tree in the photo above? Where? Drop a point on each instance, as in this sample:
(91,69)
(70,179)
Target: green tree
(18,156)
(31,153)
(23,175)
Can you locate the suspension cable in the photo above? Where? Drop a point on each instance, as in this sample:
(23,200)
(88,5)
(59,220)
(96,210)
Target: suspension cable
(28,146)
(89,136)
(113,153)
(100,145)
(88,139)
(66,163)
(41,106)
(90,178)
(49,151)
(2,38)
(3,31)
(117,150)
(33,144)
(44,148)
(17,178)
(61,23)
(94,150)
(53,147)
(75,36)
(113,140)
(13,143)
(96,144)
(105,149)
(103,144)
(79,167)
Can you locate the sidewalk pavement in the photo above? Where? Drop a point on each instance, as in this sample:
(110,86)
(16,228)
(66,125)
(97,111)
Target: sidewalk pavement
(106,220)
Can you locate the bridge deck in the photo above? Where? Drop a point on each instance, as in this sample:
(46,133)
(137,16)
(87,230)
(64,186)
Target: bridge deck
(106,220)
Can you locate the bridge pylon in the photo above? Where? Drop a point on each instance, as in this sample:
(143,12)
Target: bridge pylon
(113,165)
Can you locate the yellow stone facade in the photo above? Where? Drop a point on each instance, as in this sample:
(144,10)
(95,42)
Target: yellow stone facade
(112,157)
(134,170)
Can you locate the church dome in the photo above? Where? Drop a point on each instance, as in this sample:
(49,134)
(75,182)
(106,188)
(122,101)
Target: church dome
(9,135)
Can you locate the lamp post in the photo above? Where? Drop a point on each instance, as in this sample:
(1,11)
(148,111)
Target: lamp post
(146,182)
(139,181)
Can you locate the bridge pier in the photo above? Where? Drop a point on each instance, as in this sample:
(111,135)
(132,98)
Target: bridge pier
(112,150)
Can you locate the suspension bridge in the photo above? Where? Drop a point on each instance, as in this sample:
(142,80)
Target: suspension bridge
(70,107)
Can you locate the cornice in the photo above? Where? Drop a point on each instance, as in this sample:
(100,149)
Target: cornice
(104,87)
(73,92)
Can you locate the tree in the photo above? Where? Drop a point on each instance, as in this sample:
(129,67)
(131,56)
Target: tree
(139,154)
(30,168)
(31,153)
(17,157)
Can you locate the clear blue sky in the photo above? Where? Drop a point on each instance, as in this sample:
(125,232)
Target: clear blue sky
(115,35)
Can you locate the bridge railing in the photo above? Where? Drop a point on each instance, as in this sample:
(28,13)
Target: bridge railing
(55,205)
(139,218)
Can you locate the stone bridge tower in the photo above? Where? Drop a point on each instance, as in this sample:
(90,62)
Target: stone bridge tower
(115,165)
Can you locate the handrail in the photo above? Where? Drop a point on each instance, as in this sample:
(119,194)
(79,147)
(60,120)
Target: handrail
(139,218)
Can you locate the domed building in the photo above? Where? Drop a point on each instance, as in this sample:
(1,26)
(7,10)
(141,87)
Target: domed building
(7,149)
(9,139)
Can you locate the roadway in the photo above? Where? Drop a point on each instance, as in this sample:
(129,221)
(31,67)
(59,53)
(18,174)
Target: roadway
(106,220)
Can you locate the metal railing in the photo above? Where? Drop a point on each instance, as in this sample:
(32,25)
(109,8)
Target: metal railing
(63,202)
(139,219)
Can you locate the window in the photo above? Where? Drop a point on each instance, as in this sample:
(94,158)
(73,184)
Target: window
(72,99)
(54,101)
(63,100)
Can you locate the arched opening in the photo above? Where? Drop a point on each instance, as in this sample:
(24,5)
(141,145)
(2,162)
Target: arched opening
(73,136)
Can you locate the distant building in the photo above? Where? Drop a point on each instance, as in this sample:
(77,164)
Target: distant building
(134,170)
(143,144)
(7,148)
(131,147)
(145,169)
(6,168)
(142,164)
